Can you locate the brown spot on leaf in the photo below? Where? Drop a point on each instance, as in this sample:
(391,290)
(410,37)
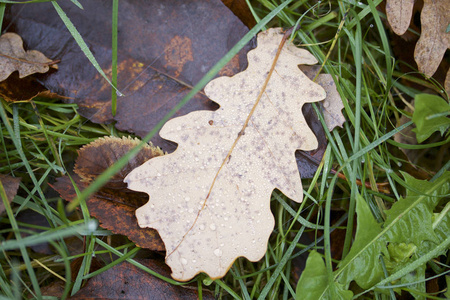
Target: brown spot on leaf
(177,53)
(231,68)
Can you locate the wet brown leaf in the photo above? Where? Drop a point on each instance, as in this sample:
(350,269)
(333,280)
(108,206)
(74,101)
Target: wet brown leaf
(54,289)
(14,58)
(125,281)
(10,184)
(113,205)
(115,212)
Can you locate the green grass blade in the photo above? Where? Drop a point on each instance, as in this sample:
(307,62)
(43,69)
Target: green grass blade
(81,43)
(115,17)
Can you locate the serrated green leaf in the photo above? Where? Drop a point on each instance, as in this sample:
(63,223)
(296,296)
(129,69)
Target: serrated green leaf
(362,263)
(418,225)
(314,281)
(408,233)
(430,115)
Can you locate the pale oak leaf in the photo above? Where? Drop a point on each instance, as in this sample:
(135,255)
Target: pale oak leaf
(210,199)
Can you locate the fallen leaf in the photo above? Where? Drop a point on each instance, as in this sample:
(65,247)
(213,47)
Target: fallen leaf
(307,161)
(76,264)
(399,13)
(113,205)
(126,281)
(210,199)
(10,185)
(434,40)
(407,136)
(115,212)
(14,58)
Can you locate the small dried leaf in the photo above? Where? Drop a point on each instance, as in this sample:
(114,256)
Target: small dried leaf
(434,40)
(10,184)
(332,104)
(94,158)
(211,207)
(399,14)
(14,58)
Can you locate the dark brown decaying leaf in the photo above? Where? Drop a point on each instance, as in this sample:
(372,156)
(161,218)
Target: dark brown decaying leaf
(126,281)
(10,184)
(23,89)
(114,212)
(114,205)
(165,47)
(14,58)
(54,289)
(307,161)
